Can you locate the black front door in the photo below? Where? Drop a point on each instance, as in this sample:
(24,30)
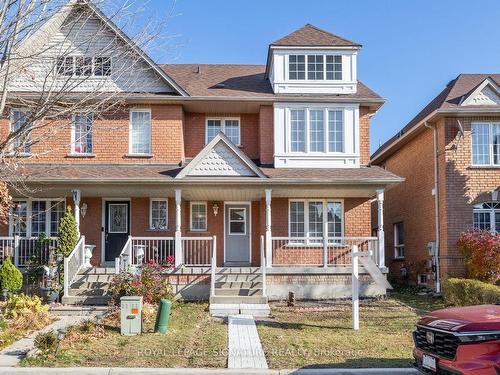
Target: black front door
(117,228)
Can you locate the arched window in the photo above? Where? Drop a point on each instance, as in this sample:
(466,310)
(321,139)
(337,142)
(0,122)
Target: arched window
(487,216)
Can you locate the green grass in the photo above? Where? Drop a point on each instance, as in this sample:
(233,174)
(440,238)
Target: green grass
(194,339)
(320,335)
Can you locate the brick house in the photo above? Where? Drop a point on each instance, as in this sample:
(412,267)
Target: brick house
(453,148)
(265,167)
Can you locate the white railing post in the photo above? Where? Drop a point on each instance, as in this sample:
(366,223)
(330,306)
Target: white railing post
(325,237)
(355,288)
(380,235)
(214,266)
(117,265)
(263,265)
(76,202)
(269,249)
(82,252)
(66,276)
(178,234)
(16,250)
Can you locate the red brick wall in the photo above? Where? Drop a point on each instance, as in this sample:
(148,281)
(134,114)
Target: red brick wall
(364,134)
(266,135)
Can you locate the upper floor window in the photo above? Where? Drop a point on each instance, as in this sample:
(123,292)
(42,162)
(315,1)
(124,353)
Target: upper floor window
(82,141)
(229,126)
(31,218)
(158,214)
(318,68)
(20,126)
(486,143)
(487,216)
(399,241)
(307,219)
(316,130)
(83,66)
(140,131)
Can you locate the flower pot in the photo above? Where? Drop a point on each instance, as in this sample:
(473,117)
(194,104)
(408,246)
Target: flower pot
(5,294)
(49,295)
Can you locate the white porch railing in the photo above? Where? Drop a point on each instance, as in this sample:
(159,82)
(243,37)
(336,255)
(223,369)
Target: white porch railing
(319,251)
(263,264)
(213,267)
(197,251)
(73,263)
(21,249)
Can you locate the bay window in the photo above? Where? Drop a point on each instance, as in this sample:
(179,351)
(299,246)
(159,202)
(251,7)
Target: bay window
(140,132)
(316,130)
(82,137)
(307,218)
(32,217)
(486,144)
(229,126)
(319,67)
(486,216)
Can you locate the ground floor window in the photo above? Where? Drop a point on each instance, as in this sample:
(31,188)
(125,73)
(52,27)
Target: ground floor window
(307,218)
(158,214)
(487,216)
(198,216)
(399,241)
(32,217)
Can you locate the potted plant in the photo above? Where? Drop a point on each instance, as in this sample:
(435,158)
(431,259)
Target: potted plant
(51,285)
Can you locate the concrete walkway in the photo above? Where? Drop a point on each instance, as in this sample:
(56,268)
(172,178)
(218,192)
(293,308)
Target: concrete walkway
(11,355)
(203,371)
(245,349)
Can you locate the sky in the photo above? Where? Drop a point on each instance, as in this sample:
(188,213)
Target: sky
(411,49)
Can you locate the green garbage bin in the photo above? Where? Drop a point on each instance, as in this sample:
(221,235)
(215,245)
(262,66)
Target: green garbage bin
(163,316)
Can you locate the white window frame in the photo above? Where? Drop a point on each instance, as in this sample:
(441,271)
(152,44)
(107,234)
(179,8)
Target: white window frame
(73,134)
(419,281)
(492,212)
(29,203)
(92,67)
(237,221)
(326,148)
(191,216)
(398,247)
(325,217)
(23,110)
(491,163)
(287,67)
(151,200)
(130,148)
(223,127)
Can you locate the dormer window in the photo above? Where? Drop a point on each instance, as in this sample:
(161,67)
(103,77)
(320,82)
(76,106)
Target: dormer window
(319,67)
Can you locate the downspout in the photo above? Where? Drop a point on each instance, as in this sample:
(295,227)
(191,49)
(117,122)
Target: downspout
(436,204)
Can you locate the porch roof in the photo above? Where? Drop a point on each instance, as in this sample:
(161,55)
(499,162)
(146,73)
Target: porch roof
(164,173)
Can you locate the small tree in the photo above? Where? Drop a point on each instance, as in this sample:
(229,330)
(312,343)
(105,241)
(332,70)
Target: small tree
(68,235)
(10,277)
(481,250)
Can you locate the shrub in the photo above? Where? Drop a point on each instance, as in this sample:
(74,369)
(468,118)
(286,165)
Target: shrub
(481,251)
(68,235)
(19,305)
(150,283)
(47,342)
(10,277)
(465,292)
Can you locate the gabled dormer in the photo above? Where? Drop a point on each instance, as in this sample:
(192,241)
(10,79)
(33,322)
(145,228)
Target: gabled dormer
(312,61)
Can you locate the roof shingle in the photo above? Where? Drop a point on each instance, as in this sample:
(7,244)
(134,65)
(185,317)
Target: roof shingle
(310,35)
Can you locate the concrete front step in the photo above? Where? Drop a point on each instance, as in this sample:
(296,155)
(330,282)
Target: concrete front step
(239,284)
(86,300)
(72,310)
(98,271)
(238,291)
(97,292)
(90,285)
(93,278)
(237,270)
(238,278)
(223,310)
(237,299)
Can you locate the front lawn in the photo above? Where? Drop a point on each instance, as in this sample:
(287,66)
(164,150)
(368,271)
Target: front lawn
(320,335)
(194,339)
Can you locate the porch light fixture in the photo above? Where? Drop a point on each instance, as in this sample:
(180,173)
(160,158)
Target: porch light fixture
(215,208)
(83,209)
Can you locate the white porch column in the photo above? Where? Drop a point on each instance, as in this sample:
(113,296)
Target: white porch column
(76,201)
(178,234)
(381,237)
(269,250)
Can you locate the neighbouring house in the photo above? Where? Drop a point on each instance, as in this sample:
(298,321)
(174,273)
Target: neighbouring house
(255,178)
(449,155)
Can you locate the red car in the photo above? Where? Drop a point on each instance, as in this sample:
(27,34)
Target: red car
(461,340)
